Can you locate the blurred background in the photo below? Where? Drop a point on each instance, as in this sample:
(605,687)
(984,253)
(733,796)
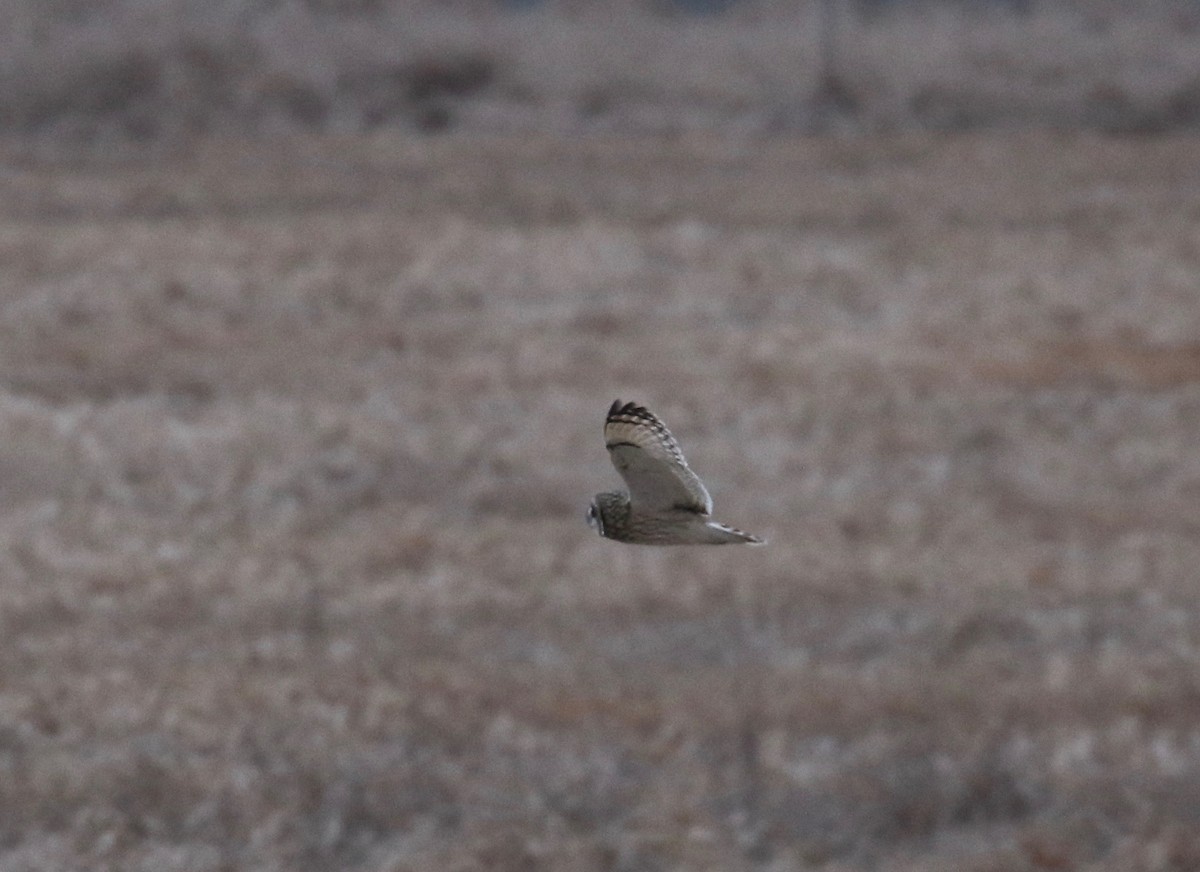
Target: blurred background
(311,313)
(155,70)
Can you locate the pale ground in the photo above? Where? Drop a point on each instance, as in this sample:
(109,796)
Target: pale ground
(296,441)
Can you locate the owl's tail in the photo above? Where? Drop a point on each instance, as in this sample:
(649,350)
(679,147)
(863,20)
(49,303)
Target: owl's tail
(719,534)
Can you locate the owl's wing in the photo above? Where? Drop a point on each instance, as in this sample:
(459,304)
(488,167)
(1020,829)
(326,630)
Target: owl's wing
(648,458)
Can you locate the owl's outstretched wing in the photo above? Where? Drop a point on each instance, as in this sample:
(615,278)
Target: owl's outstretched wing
(648,458)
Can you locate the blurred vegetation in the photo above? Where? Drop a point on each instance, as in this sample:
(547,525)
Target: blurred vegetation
(296,438)
(77,71)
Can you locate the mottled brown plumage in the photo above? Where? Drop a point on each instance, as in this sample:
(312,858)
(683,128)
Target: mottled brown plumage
(667,504)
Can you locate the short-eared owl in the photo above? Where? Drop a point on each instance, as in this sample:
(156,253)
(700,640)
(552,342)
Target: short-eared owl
(667,503)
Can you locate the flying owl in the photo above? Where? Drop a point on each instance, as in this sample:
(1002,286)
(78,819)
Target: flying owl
(667,503)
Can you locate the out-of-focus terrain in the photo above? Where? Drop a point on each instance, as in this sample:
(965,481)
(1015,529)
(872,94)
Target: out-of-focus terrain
(295,444)
(163,71)
(300,412)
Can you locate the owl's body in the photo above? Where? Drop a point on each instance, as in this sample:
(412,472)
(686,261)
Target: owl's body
(667,504)
(616,519)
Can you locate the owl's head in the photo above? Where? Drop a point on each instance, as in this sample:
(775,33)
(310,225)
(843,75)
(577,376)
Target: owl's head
(595,519)
(608,514)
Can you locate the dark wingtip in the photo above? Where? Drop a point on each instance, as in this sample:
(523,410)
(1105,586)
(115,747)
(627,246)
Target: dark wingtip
(630,408)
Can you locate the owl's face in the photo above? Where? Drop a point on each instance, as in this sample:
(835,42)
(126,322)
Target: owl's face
(595,520)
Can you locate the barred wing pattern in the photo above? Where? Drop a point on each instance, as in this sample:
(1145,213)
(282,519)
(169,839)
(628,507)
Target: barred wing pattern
(651,462)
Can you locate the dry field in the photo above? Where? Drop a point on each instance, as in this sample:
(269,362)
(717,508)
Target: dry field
(154,70)
(296,440)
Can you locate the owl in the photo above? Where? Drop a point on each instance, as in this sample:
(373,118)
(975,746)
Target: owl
(667,503)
